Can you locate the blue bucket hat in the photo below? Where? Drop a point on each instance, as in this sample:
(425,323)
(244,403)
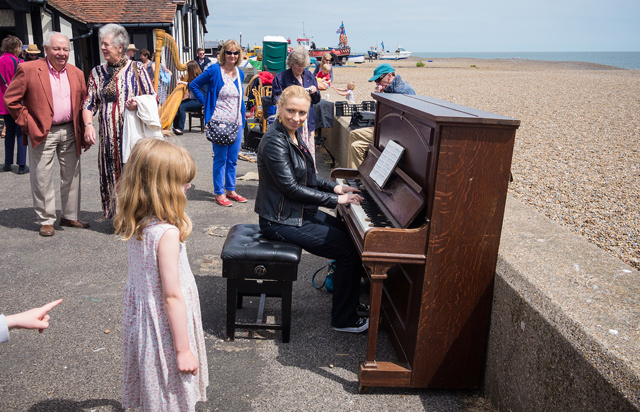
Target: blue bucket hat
(384,68)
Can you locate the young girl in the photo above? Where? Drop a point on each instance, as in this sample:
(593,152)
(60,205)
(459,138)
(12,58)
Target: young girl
(165,364)
(324,76)
(347,93)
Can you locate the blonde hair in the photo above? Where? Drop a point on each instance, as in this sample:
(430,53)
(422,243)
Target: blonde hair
(292,92)
(228,45)
(152,186)
(326,68)
(351,85)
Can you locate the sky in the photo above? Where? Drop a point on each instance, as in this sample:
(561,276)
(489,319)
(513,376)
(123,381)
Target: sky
(436,25)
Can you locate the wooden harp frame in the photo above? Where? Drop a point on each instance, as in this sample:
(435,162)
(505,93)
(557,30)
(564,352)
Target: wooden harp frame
(163,39)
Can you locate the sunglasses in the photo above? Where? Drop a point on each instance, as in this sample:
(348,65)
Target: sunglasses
(231,53)
(379,79)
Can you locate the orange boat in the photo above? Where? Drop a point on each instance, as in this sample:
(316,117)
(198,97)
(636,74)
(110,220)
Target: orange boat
(340,53)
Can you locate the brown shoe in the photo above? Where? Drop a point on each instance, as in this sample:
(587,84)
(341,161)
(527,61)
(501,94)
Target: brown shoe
(74,223)
(47,230)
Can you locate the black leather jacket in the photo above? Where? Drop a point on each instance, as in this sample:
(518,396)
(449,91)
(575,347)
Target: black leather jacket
(282,190)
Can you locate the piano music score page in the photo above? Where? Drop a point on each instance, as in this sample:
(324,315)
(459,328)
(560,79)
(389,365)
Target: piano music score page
(386,163)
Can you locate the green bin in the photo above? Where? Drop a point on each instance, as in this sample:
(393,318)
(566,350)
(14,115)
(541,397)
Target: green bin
(274,54)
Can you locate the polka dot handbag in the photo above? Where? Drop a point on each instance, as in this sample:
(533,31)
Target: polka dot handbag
(223,133)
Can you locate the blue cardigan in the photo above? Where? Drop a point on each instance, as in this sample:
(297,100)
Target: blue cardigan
(212,77)
(285,79)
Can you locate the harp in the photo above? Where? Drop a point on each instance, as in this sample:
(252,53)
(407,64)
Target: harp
(172,93)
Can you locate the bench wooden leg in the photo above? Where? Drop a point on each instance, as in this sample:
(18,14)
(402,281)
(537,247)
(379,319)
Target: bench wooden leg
(232,290)
(238,288)
(286,311)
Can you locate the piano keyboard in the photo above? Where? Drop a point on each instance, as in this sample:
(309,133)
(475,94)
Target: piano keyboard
(367,214)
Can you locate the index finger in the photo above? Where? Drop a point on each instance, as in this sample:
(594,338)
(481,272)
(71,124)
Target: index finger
(51,305)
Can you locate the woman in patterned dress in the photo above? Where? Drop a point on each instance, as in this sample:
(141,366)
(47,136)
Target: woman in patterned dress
(224,102)
(111,89)
(165,358)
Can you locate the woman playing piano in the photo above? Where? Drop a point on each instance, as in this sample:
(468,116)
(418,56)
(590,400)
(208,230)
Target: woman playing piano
(289,194)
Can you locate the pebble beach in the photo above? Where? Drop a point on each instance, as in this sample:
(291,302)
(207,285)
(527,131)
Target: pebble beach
(576,151)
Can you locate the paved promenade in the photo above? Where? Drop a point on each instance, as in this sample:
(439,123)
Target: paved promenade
(76,365)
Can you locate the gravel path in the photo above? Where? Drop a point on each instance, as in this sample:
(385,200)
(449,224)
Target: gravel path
(576,151)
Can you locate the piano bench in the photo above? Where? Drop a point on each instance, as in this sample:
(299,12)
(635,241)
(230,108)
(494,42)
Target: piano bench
(256,266)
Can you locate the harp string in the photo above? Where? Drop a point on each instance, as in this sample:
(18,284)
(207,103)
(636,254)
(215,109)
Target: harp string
(170,93)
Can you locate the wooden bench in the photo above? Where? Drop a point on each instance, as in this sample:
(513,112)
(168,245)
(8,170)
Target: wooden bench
(256,266)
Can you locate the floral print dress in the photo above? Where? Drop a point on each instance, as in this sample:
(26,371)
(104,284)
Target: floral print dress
(151,378)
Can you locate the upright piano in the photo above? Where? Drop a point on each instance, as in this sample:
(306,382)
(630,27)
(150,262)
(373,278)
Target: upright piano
(431,252)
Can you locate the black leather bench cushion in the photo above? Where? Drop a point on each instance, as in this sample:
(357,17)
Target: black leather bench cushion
(245,243)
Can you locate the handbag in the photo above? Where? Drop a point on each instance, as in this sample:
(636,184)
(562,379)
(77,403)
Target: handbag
(362,119)
(328,280)
(222,132)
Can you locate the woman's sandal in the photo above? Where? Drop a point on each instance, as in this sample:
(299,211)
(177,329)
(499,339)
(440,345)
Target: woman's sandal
(237,198)
(223,202)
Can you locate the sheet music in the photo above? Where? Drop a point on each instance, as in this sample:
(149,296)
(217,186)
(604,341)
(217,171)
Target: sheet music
(386,163)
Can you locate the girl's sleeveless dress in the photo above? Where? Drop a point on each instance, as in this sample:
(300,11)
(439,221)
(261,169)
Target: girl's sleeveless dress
(151,377)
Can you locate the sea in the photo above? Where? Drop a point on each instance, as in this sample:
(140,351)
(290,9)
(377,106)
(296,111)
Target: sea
(625,60)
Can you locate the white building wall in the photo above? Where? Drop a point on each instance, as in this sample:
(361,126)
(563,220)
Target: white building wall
(30,32)
(67,29)
(47,24)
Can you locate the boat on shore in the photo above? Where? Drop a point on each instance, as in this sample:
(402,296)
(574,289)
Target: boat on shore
(340,54)
(356,58)
(399,54)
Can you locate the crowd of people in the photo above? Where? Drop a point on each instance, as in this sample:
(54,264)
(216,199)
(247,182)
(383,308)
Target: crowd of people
(144,191)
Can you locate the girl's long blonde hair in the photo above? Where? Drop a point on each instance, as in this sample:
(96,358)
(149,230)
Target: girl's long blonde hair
(152,186)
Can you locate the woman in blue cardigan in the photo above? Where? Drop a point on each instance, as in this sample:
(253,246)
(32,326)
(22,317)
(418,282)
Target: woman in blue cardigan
(223,102)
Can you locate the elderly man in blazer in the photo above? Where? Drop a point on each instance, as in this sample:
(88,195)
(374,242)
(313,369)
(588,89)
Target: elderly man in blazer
(44,98)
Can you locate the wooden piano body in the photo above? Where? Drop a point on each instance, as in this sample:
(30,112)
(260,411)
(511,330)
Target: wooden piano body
(431,275)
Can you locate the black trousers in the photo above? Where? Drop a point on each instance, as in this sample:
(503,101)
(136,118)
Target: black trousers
(326,236)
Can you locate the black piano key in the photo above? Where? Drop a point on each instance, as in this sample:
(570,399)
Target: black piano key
(377,218)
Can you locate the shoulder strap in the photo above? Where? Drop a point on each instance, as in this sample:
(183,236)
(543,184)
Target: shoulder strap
(15,63)
(15,66)
(240,101)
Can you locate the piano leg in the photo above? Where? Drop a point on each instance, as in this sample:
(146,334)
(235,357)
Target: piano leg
(374,318)
(371,372)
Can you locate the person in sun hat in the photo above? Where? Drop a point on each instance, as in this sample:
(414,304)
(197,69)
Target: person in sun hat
(32,52)
(386,82)
(131,51)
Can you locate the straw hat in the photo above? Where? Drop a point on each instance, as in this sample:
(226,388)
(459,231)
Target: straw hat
(33,49)
(132,46)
